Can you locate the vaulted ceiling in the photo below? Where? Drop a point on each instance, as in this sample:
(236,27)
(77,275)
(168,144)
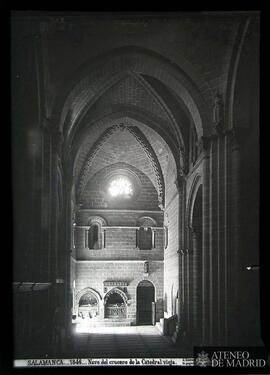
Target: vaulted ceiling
(124,74)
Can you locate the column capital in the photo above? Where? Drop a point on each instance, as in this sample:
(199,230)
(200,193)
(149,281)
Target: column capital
(183,251)
(180,180)
(180,251)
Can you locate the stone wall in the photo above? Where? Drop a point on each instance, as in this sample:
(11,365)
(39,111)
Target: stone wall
(92,274)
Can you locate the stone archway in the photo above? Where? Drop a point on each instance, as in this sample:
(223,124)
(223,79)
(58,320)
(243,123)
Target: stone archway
(145,299)
(115,304)
(125,60)
(88,304)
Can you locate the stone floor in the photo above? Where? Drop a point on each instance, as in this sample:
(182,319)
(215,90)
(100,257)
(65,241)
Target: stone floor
(122,342)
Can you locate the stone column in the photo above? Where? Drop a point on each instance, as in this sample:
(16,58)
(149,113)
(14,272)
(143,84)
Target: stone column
(233,166)
(182,318)
(193,253)
(196,280)
(59,256)
(56,226)
(215,239)
(66,251)
(45,238)
(182,296)
(205,145)
(188,286)
(220,234)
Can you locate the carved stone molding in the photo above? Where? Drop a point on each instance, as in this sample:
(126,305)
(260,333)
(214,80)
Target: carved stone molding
(184,157)
(97,220)
(85,291)
(117,283)
(139,136)
(181,252)
(166,219)
(146,221)
(117,291)
(236,135)
(146,268)
(180,180)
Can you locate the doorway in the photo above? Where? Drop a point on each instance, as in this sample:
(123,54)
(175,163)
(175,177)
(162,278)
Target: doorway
(145,303)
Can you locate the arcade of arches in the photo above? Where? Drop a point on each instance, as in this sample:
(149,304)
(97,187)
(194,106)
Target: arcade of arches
(136,177)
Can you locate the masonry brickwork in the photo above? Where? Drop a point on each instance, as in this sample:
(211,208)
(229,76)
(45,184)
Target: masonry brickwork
(155,80)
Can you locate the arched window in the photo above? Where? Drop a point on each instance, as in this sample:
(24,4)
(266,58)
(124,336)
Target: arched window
(145,238)
(94,237)
(121,187)
(146,235)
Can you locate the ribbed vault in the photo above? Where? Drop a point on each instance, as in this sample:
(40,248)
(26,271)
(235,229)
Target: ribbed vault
(133,95)
(108,72)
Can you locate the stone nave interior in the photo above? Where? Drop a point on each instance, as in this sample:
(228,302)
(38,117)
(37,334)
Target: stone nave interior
(135,148)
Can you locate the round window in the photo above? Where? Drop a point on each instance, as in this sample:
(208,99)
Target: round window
(120,187)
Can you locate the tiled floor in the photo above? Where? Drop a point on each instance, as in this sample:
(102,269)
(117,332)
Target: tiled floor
(123,342)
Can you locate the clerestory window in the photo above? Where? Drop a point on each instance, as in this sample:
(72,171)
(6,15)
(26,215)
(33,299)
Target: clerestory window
(121,187)
(94,237)
(146,238)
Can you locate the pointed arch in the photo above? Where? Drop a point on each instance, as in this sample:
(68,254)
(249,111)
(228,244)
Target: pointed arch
(117,291)
(145,145)
(85,291)
(133,117)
